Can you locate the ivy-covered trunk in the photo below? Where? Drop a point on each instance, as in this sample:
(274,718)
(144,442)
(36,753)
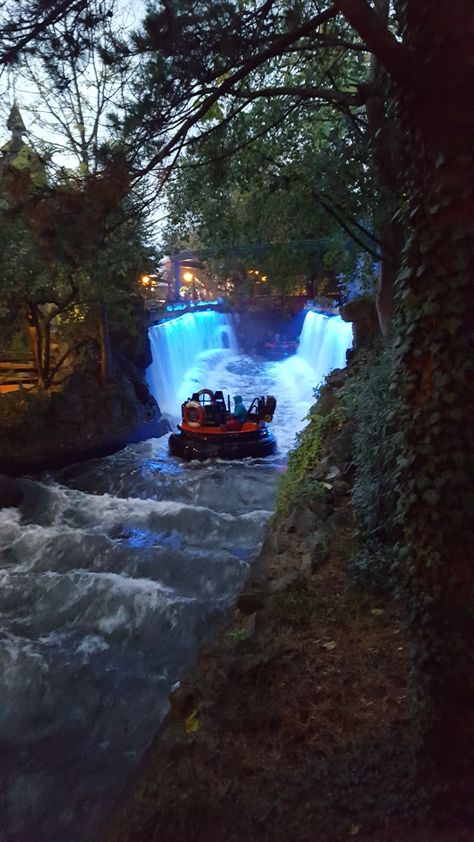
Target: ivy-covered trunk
(435,375)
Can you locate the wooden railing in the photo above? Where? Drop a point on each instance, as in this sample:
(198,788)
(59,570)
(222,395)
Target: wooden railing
(16,374)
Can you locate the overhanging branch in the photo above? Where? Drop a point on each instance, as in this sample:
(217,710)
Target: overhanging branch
(398,61)
(280,43)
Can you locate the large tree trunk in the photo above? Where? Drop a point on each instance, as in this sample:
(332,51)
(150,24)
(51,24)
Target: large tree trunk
(435,366)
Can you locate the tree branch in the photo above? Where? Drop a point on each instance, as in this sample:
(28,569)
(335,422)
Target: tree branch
(279,44)
(74,347)
(398,61)
(306,92)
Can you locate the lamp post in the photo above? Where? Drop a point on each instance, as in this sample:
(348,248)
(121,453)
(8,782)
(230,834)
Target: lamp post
(190,279)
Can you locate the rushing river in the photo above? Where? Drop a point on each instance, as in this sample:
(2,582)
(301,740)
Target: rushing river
(113,571)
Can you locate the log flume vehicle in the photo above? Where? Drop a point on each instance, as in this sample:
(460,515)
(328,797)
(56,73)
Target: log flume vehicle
(209,430)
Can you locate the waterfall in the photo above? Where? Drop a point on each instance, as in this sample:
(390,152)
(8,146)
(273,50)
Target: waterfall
(176,346)
(188,353)
(324,341)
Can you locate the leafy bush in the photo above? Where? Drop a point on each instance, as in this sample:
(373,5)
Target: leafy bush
(295,484)
(371,400)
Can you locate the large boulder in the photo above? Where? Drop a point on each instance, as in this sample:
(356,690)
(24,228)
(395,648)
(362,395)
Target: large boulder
(363,315)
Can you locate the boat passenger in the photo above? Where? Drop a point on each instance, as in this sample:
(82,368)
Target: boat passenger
(238,416)
(240,410)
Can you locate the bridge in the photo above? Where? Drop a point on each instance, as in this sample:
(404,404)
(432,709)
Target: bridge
(192,258)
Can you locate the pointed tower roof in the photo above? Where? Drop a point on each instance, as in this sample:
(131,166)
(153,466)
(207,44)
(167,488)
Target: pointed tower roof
(18,154)
(15,121)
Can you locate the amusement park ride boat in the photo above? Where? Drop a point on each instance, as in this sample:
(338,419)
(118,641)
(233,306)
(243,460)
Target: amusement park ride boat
(208,430)
(278,347)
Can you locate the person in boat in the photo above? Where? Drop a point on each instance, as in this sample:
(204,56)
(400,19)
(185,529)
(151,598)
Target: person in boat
(240,410)
(238,415)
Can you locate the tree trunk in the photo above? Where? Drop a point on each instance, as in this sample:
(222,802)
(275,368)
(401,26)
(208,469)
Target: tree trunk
(105,346)
(37,341)
(435,370)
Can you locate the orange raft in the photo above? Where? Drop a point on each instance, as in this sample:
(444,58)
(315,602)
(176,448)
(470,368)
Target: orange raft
(208,429)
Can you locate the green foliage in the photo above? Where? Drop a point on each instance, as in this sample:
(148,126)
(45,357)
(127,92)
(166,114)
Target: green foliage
(22,414)
(263,201)
(375,567)
(371,401)
(14,344)
(66,250)
(296,484)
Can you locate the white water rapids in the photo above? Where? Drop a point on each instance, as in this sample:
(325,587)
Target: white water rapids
(113,571)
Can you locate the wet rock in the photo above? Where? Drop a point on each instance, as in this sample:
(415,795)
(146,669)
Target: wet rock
(337,378)
(341,451)
(322,506)
(276,543)
(11,493)
(363,315)
(306,565)
(115,409)
(300,520)
(315,539)
(281,542)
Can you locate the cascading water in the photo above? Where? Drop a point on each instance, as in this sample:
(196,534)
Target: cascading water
(176,344)
(113,571)
(324,341)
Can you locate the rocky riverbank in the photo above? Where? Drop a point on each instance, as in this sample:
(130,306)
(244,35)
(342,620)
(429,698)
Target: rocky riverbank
(86,420)
(295,724)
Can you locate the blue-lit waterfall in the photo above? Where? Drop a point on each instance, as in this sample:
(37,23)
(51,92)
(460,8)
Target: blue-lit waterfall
(176,346)
(324,341)
(192,351)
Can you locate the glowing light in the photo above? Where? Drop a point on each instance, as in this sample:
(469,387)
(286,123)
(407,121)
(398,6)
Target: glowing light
(145,280)
(188,276)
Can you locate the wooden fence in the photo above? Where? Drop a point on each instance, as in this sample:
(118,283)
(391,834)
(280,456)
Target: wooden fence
(13,375)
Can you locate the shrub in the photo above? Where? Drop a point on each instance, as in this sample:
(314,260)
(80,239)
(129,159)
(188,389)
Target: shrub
(371,400)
